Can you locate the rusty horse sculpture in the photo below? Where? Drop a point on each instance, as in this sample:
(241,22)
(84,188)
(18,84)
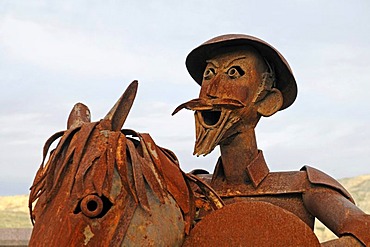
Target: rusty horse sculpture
(103,186)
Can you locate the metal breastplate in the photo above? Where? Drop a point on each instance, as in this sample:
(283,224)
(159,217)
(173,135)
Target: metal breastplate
(283,189)
(272,212)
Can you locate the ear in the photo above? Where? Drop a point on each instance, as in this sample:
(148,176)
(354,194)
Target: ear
(80,114)
(271,103)
(118,114)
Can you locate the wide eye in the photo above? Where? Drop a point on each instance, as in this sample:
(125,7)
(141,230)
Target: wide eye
(235,72)
(209,73)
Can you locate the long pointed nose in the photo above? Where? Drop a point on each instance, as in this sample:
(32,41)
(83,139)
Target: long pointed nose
(211,88)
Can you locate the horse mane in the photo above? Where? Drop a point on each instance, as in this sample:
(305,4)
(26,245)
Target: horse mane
(67,154)
(89,156)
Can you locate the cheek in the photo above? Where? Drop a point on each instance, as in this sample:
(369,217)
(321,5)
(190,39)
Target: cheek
(237,90)
(248,86)
(243,88)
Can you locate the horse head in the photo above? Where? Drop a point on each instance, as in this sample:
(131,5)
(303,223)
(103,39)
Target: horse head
(105,186)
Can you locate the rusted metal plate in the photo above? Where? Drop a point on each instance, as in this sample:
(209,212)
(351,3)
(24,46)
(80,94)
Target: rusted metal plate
(251,224)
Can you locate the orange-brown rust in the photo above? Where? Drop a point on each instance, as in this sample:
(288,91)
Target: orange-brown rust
(244,69)
(102,184)
(251,224)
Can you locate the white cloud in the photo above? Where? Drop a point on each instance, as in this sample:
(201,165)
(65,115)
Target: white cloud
(338,71)
(57,48)
(53,55)
(79,52)
(336,145)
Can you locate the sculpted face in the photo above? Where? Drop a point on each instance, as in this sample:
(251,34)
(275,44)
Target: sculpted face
(230,99)
(233,79)
(234,76)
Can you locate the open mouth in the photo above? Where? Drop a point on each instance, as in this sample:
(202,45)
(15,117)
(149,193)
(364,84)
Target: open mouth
(211,126)
(210,118)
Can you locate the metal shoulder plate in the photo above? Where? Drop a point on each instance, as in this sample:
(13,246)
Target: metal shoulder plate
(318,177)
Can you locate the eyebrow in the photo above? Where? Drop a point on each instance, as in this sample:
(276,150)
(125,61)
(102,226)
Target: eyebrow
(213,62)
(237,58)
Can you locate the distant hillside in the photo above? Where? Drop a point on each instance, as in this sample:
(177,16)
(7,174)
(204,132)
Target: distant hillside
(14,209)
(14,212)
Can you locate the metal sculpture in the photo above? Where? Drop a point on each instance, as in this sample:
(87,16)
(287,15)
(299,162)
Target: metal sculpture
(243,78)
(103,186)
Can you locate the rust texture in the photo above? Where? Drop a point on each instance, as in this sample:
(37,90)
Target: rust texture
(103,186)
(107,186)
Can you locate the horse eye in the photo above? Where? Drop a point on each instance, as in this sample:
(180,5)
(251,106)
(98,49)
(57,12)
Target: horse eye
(235,72)
(93,206)
(209,73)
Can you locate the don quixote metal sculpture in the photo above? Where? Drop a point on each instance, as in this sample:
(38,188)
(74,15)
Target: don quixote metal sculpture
(107,186)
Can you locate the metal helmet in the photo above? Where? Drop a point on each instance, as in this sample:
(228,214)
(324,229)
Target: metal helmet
(285,82)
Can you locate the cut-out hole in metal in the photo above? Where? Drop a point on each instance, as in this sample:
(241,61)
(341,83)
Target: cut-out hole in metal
(93,206)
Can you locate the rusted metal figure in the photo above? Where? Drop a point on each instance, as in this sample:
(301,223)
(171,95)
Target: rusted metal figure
(243,78)
(103,186)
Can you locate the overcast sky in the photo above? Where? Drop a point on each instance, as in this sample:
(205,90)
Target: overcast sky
(54,54)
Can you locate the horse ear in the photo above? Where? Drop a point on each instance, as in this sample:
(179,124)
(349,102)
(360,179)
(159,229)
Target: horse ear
(118,114)
(80,114)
